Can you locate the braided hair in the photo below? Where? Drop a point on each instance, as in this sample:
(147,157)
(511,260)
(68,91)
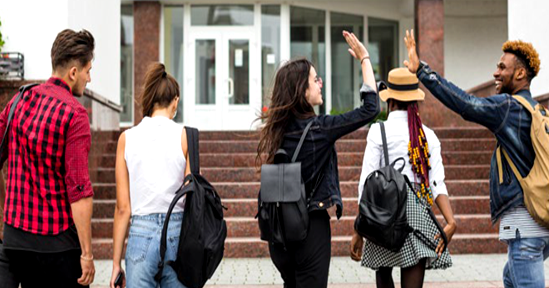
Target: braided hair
(418,151)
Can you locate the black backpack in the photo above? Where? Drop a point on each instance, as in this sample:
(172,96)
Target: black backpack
(282,205)
(382,210)
(203,231)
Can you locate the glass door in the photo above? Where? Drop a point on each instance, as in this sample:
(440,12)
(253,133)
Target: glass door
(221,83)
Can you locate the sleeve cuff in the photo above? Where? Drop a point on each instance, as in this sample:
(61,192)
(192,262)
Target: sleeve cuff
(439,189)
(78,192)
(366,89)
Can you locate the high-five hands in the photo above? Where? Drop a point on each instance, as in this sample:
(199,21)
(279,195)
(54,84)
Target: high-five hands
(410,42)
(357,49)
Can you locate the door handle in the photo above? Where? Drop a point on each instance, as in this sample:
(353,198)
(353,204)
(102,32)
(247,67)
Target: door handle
(231,87)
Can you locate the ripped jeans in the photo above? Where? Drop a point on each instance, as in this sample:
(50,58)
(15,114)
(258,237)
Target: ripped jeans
(525,268)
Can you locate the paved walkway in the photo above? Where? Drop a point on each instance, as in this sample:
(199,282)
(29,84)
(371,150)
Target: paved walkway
(473,270)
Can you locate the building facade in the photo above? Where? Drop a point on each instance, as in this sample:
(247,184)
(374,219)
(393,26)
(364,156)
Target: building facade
(225,53)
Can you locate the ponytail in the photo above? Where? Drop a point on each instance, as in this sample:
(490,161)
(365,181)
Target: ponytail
(159,88)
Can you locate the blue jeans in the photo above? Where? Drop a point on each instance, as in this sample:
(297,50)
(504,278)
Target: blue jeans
(143,251)
(524,268)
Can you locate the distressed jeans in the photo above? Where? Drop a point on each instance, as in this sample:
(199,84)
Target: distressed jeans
(524,268)
(143,251)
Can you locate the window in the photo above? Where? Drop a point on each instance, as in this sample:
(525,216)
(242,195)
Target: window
(383,46)
(307,39)
(222,15)
(270,48)
(173,49)
(205,71)
(126,63)
(346,71)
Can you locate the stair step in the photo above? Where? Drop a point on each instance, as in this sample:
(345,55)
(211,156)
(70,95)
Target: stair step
(253,247)
(352,145)
(248,227)
(461,244)
(346,173)
(102,136)
(216,160)
(441,132)
(247,160)
(248,207)
(230,190)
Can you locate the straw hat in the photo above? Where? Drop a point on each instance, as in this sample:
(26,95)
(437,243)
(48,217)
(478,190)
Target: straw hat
(402,86)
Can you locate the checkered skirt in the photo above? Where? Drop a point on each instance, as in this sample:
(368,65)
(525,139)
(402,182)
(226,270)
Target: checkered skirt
(414,249)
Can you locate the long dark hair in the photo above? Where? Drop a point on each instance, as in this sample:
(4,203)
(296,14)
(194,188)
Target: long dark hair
(287,102)
(418,149)
(159,88)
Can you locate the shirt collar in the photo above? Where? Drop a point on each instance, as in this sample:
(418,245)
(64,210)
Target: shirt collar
(398,114)
(59,82)
(524,93)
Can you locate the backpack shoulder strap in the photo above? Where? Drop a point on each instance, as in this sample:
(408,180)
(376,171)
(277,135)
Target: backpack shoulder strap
(525,103)
(294,157)
(384,140)
(22,91)
(193,149)
(426,240)
(511,164)
(163,238)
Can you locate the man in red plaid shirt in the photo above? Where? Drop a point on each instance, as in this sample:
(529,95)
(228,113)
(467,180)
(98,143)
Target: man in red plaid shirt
(48,196)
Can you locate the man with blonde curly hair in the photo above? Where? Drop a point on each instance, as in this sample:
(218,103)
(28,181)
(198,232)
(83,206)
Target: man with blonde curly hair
(510,122)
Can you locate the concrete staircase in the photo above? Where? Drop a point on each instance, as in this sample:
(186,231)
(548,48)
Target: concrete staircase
(228,161)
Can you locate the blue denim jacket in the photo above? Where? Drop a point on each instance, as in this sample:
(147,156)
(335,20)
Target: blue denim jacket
(318,155)
(506,119)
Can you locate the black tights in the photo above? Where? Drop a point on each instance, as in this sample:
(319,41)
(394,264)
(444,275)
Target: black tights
(411,277)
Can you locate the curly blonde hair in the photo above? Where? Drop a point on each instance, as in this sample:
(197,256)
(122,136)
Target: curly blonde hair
(525,52)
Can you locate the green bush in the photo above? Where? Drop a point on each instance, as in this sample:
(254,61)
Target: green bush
(382,116)
(1,38)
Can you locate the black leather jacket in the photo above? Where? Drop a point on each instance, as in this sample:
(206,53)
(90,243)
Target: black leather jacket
(318,155)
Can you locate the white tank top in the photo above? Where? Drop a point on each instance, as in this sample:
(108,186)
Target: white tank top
(156,165)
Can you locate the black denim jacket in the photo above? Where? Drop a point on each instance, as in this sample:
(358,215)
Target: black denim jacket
(318,155)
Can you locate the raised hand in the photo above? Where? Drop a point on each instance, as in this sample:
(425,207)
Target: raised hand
(356,48)
(410,42)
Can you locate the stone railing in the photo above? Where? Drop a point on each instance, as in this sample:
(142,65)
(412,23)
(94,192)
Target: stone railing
(103,113)
(543,99)
(483,90)
(489,88)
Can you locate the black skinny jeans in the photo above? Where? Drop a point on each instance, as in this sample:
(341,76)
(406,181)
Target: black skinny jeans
(305,264)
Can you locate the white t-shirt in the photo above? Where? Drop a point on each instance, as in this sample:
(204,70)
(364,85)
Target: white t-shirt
(156,165)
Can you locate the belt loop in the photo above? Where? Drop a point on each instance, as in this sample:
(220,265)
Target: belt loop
(517,234)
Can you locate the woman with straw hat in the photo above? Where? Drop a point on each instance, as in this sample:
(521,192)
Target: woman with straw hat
(408,138)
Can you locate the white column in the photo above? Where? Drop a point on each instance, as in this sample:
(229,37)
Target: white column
(284,32)
(528,22)
(328,61)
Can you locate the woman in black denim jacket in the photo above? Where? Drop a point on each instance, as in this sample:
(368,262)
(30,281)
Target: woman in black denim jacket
(296,90)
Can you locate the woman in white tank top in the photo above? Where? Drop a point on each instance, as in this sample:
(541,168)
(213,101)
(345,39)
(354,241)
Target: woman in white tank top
(151,163)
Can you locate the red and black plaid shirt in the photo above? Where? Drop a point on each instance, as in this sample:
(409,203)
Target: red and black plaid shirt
(48,146)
